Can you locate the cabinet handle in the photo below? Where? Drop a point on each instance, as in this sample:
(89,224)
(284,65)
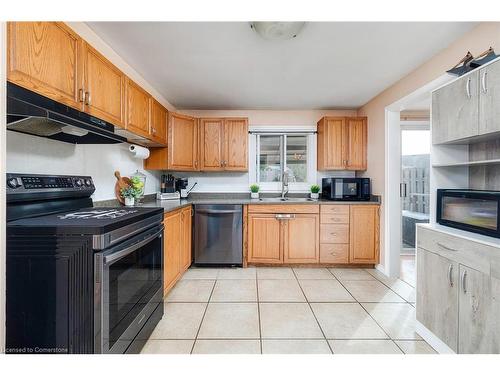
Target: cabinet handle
(450,274)
(467,88)
(483,82)
(464,281)
(87,98)
(196,163)
(444,247)
(285,216)
(80,95)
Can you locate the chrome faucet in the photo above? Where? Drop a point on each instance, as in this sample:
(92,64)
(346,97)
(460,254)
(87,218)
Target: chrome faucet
(284,184)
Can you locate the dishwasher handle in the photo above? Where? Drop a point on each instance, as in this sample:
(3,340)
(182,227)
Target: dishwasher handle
(218,211)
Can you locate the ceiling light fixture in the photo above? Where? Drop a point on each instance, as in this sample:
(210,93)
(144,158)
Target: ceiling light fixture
(277,30)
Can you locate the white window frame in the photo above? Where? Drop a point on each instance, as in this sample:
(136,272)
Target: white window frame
(298,187)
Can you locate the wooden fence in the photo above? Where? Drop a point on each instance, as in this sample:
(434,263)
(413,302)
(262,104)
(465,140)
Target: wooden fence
(417,189)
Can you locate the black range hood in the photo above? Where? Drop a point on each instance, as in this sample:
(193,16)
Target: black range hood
(31,113)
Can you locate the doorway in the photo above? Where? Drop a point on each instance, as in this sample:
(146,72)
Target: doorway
(414,187)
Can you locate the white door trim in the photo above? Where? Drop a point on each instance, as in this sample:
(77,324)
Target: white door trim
(392,206)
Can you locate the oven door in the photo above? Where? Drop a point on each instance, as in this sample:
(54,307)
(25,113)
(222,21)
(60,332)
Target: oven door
(346,189)
(128,288)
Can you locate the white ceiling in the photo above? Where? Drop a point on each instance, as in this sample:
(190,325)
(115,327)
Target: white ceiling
(226,65)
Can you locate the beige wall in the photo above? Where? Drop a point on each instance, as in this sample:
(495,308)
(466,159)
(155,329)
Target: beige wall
(476,41)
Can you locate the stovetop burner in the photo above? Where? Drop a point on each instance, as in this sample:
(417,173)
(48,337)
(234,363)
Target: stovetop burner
(97,214)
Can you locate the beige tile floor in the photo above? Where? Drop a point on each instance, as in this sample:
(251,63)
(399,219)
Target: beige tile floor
(283,310)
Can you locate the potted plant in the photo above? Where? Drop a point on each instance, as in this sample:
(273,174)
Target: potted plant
(129,193)
(315,191)
(254,189)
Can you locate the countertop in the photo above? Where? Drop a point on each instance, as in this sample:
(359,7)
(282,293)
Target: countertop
(224,198)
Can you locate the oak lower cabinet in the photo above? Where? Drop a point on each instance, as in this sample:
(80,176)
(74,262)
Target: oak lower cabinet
(45,57)
(171,249)
(264,239)
(364,234)
(342,143)
(283,235)
(458,296)
(186,236)
(177,246)
(182,143)
(437,296)
(301,239)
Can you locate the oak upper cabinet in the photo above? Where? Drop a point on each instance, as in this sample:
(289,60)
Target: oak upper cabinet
(158,122)
(186,224)
(212,144)
(137,109)
(172,249)
(364,234)
(489,97)
(437,296)
(478,312)
(356,133)
(264,239)
(236,144)
(455,110)
(224,144)
(104,88)
(301,239)
(342,143)
(182,143)
(45,57)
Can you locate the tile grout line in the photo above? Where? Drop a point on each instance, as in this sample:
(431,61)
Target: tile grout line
(258,310)
(312,312)
(203,317)
(360,304)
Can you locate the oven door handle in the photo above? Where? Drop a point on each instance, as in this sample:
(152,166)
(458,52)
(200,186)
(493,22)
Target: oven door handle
(107,259)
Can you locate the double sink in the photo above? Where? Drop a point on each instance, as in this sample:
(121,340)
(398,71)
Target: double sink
(286,199)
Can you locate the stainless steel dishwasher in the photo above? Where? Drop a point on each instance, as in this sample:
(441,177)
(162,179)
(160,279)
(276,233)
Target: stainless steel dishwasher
(218,234)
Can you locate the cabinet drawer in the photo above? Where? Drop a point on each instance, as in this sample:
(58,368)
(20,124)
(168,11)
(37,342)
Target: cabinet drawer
(335,209)
(335,218)
(333,253)
(469,253)
(284,208)
(334,233)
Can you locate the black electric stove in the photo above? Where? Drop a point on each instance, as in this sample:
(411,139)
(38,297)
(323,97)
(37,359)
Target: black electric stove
(80,279)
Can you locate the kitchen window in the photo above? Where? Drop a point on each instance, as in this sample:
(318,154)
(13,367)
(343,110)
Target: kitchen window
(280,152)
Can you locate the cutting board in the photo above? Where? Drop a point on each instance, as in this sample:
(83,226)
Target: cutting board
(121,183)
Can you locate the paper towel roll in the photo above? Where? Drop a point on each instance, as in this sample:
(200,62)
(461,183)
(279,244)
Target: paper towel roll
(139,152)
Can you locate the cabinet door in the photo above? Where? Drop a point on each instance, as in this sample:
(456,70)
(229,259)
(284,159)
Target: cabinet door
(182,143)
(212,144)
(137,109)
(331,143)
(158,122)
(479,313)
(437,296)
(186,221)
(455,110)
(104,88)
(45,57)
(489,97)
(171,249)
(264,244)
(356,128)
(364,234)
(236,144)
(301,239)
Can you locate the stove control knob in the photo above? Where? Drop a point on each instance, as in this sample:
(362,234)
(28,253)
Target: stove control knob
(78,183)
(13,183)
(88,182)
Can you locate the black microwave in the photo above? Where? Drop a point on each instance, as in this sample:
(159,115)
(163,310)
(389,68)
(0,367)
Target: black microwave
(346,189)
(472,210)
